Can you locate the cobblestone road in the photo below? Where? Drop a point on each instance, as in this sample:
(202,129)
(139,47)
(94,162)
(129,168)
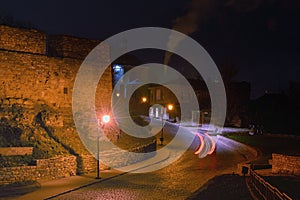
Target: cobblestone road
(176,181)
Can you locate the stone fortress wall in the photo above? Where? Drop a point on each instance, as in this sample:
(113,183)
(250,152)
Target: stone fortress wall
(43,67)
(38,70)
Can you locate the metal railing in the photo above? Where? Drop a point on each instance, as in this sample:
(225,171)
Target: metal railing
(265,189)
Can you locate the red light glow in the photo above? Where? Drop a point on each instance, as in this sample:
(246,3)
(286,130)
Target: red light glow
(201,144)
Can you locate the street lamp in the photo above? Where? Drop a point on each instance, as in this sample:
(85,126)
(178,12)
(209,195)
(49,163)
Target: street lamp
(105,119)
(144,99)
(170,107)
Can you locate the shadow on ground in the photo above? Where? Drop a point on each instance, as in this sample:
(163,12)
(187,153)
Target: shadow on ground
(18,189)
(228,186)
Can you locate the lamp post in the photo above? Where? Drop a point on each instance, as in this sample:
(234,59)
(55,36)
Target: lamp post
(169,107)
(105,119)
(162,128)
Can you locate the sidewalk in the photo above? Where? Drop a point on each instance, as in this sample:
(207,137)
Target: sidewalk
(55,187)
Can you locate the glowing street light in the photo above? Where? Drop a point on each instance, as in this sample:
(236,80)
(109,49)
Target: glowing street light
(170,107)
(105,119)
(144,99)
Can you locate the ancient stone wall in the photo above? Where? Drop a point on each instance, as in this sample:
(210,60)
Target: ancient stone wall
(45,169)
(38,78)
(24,40)
(283,164)
(27,74)
(36,85)
(44,79)
(38,74)
(70,47)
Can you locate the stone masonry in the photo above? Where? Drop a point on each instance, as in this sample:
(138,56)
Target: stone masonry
(45,169)
(283,164)
(37,71)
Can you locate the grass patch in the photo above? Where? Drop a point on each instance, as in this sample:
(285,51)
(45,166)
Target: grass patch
(268,144)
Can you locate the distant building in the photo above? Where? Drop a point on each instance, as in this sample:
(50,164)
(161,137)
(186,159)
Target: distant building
(144,99)
(159,94)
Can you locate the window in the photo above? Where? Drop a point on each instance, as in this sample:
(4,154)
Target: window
(65,90)
(118,72)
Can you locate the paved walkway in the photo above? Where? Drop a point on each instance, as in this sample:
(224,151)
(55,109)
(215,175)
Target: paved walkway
(55,187)
(52,188)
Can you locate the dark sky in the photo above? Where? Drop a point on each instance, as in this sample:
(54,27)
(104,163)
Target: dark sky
(260,37)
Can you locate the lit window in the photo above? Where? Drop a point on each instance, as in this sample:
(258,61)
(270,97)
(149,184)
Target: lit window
(117,68)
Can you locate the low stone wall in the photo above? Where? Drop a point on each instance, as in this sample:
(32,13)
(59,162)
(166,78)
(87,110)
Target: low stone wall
(57,167)
(15,151)
(64,166)
(45,169)
(87,163)
(282,164)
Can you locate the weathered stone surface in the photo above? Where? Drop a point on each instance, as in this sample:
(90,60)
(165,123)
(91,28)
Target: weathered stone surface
(36,85)
(283,164)
(57,167)
(24,40)
(29,78)
(13,151)
(71,47)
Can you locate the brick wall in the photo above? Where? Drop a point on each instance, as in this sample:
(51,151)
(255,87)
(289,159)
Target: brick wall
(282,164)
(45,169)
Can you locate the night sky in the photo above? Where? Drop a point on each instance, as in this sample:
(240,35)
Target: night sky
(259,37)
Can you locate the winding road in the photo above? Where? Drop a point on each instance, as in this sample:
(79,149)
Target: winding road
(176,181)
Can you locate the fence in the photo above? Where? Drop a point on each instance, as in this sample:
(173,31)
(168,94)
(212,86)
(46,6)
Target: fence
(265,189)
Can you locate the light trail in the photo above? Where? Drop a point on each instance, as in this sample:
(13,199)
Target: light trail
(213,147)
(207,145)
(201,144)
